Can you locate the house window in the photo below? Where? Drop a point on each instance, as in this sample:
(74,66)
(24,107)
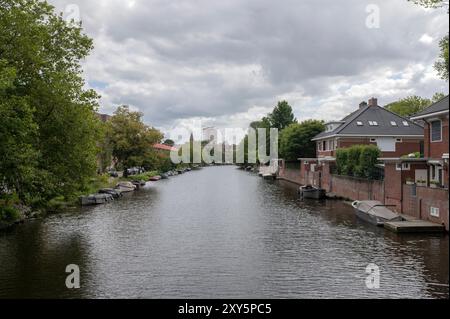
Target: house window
(324,146)
(405,123)
(393,123)
(359,123)
(434,211)
(436,131)
(373,123)
(436,173)
(398,140)
(373,140)
(403,166)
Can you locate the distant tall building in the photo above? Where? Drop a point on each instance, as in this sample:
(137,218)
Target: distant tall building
(209,133)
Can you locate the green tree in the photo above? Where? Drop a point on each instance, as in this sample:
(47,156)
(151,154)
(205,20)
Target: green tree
(409,105)
(295,140)
(45,53)
(282,116)
(431,3)
(169,142)
(17,131)
(105,150)
(442,65)
(131,139)
(438,96)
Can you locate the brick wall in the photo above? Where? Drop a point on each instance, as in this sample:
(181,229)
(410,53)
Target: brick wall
(292,175)
(418,203)
(355,188)
(436,149)
(392,191)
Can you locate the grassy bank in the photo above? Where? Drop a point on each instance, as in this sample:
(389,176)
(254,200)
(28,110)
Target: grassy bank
(141,177)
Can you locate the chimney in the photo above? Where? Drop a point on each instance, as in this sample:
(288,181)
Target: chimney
(373,102)
(363,104)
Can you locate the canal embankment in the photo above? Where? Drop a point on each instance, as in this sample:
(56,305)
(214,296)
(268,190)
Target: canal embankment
(421,203)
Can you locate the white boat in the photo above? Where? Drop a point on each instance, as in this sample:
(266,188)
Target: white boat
(125,187)
(375,212)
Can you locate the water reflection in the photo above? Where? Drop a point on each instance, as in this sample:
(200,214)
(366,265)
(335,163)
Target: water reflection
(221,233)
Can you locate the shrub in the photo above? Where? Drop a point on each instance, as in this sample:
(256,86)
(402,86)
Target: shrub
(358,161)
(368,160)
(341,161)
(353,160)
(9,214)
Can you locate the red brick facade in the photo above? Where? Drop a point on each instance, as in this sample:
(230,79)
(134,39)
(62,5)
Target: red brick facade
(436,149)
(405,147)
(420,202)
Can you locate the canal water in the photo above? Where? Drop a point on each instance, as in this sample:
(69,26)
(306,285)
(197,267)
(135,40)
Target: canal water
(218,233)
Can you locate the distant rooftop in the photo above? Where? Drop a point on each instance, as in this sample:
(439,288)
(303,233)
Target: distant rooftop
(438,107)
(164,147)
(373,120)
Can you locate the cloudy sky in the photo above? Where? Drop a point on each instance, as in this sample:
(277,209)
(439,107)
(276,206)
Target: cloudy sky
(227,63)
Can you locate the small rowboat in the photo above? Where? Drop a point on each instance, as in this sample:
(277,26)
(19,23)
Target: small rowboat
(309,191)
(95,199)
(375,212)
(114,192)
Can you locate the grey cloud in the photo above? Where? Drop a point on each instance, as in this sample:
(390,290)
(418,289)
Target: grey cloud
(180,59)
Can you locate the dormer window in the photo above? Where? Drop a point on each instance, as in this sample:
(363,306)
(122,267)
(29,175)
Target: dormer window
(405,123)
(359,123)
(373,123)
(393,123)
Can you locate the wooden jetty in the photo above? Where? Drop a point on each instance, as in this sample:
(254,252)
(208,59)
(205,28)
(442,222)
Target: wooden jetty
(414,226)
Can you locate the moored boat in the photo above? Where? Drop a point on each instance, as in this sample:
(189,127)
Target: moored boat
(312,192)
(114,192)
(375,212)
(125,187)
(138,184)
(95,199)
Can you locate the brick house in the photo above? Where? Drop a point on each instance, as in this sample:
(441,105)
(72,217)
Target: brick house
(419,186)
(164,148)
(371,124)
(435,120)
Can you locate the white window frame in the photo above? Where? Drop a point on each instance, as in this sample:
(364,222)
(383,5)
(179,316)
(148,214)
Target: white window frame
(359,123)
(373,140)
(434,211)
(398,140)
(405,123)
(403,167)
(394,123)
(431,131)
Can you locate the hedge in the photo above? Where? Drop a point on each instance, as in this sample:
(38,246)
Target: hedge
(358,161)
